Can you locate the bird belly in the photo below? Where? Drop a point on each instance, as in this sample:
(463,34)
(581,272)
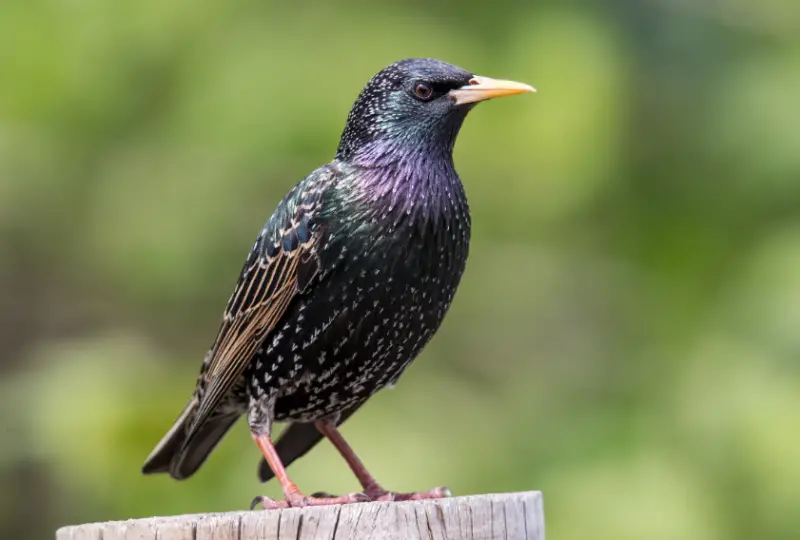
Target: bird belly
(337,349)
(359,327)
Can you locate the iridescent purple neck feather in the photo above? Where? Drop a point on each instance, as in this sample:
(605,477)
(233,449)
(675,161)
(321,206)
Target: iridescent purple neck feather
(398,148)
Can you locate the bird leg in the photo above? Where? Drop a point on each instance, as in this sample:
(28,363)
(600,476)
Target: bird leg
(372,488)
(293,497)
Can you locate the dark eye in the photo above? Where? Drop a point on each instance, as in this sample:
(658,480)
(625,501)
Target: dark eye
(423,91)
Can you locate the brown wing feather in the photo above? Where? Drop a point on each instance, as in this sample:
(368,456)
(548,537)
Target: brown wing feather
(282,264)
(272,284)
(265,289)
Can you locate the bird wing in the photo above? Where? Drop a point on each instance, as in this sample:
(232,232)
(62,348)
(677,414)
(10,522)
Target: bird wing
(296,441)
(282,263)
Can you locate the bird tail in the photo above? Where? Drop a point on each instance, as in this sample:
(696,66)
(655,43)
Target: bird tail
(181,452)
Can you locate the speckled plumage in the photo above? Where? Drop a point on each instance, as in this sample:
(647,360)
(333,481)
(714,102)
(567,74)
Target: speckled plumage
(387,275)
(350,277)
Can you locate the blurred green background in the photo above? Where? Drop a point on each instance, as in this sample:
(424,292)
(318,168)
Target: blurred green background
(627,334)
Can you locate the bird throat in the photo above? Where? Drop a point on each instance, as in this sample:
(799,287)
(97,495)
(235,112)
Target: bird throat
(408,184)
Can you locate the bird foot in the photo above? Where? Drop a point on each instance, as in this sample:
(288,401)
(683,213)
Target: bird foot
(380,494)
(298,500)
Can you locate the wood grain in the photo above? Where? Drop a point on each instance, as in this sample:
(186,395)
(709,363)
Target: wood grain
(507,516)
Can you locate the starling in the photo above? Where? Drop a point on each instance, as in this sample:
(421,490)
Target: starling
(346,283)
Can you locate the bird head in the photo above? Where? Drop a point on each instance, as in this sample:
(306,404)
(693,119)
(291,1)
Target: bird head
(417,104)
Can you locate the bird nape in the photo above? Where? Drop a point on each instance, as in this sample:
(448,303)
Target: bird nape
(346,283)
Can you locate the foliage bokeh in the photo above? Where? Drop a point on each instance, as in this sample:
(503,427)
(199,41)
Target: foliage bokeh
(626,335)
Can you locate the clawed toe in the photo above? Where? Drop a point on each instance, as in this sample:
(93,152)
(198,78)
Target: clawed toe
(268,504)
(383,495)
(295,499)
(298,500)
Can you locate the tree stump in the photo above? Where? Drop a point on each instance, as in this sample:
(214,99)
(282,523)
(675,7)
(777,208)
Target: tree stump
(508,516)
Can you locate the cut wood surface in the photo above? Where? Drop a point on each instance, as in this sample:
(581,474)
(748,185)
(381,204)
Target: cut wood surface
(508,516)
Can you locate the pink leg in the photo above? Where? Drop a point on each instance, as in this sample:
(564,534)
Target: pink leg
(293,497)
(371,486)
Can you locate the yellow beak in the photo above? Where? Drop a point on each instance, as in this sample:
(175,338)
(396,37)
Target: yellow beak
(482,88)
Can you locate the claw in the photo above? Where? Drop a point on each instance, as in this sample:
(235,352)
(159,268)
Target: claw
(382,495)
(320,498)
(298,500)
(361,497)
(268,504)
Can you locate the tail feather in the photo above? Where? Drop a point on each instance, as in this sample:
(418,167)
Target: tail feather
(181,453)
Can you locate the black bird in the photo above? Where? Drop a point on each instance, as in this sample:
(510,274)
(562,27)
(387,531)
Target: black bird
(346,283)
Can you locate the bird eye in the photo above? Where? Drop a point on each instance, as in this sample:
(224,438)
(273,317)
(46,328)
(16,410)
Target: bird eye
(423,91)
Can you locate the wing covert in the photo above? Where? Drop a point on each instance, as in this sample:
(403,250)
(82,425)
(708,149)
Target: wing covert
(282,263)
